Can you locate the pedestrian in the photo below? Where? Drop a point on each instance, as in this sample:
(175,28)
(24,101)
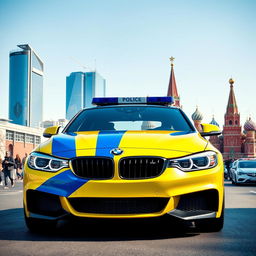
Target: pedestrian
(1,171)
(23,163)
(8,167)
(18,166)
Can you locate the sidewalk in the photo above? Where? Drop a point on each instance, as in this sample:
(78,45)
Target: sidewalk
(18,186)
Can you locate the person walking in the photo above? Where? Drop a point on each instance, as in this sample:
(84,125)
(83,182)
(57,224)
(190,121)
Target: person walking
(1,171)
(8,166)
(18,166)
(23,164)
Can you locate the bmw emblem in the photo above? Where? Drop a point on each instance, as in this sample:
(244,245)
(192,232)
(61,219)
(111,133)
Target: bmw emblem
(116,151)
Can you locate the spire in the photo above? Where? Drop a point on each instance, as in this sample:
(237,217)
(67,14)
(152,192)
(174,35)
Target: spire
(172,88)
(232,106)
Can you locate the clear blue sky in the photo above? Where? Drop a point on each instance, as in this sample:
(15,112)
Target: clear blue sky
(132,41)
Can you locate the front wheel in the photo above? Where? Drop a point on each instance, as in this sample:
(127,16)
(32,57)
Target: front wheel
(235,182)
(233,179)
(212,225)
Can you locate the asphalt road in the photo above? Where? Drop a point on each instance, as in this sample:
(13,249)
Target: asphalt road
(144,237)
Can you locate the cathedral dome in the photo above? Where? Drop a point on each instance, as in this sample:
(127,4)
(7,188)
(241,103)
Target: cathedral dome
(197,115)
(250,125)
(214,122)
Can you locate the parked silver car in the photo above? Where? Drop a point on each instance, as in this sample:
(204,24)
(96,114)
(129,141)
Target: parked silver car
(243,171)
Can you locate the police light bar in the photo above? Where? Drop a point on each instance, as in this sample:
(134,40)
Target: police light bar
(132,100)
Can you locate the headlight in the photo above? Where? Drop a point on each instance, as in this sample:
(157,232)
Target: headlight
(46,163)
(195,162)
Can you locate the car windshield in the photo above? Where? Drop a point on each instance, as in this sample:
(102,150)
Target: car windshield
(120,118)
(247,164)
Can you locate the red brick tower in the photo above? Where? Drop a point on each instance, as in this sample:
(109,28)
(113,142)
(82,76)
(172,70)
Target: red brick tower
(250,141)
(232,129)
(172,88)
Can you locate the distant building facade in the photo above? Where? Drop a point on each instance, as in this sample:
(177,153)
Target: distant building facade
(26,87)
(81,87)
(18,139)
(60,122)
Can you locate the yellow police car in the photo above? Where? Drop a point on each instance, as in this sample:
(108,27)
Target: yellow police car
(126,158)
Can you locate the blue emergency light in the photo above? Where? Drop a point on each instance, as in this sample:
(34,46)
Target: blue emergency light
(132,100)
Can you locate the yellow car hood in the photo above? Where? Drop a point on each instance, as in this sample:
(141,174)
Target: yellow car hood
(161,143)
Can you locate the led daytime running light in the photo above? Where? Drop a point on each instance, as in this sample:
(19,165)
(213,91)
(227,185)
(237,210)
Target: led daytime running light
(32,162)
(195,162)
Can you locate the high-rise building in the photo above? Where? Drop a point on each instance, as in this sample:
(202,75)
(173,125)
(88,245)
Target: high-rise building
(74,93)
(80,89)
(26,87)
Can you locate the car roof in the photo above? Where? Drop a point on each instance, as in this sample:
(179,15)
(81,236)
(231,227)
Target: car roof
(132,105)
(246,159)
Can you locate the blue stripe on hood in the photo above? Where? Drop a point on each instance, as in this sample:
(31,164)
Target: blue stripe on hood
(64,146)
(108,140)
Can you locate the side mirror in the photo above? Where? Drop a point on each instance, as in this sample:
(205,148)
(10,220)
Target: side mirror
(50,131)
(210,130)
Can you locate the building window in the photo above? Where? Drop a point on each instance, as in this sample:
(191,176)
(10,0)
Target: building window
(37,140)
(20,136)
(230,122)
(9,135)
(236,122)
(29,138)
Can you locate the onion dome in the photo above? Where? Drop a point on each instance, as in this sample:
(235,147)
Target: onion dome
(197,115)
(214,122)
(250,125)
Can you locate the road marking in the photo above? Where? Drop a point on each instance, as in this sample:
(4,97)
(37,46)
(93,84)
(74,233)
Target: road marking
(254,192)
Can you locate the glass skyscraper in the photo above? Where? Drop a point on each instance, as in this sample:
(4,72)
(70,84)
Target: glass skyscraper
(80,89)
(26,87)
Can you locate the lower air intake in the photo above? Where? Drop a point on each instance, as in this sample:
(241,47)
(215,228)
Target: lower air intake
(119,205)
(203,200)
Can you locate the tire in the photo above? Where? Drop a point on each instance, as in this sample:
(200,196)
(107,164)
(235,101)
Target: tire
(39,225)
(211,225)
(234,180)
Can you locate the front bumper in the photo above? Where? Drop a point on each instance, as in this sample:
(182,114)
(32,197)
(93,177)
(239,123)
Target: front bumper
(246,178)
(185,195)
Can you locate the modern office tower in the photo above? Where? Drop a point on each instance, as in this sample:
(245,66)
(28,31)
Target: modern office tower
(26,87)
(74,93)
(80,89)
